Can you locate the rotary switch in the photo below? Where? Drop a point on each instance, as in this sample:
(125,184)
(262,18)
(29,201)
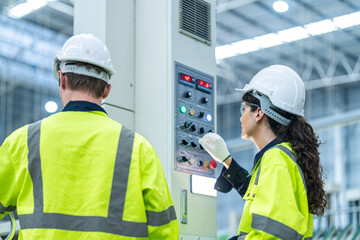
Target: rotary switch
(183,143)
(204,100)
(193,128)
(185,125)
(182,159)
(201,130)
(201,114)
(188,94)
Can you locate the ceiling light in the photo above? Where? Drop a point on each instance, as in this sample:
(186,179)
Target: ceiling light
(25,8)
(268,40)
(287,35)
(51,107)
(224,51)
(347,20)
(293,34)
(280,6)
(321,27)
(245,46)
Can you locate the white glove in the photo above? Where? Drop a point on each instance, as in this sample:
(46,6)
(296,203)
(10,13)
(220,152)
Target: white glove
(215,146)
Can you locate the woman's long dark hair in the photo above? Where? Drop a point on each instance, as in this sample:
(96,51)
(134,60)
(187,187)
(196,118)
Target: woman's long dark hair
(305,144)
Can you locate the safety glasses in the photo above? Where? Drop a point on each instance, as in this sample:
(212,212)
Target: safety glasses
(243,104)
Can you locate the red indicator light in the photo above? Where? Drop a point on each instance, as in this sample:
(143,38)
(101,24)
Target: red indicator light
(207,85)
(201,83)
(185,77)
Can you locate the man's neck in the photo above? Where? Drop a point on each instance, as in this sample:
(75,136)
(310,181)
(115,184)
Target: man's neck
(79,96)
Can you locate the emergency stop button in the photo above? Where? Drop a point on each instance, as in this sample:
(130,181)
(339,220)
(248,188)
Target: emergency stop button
(210,164)
(213,164)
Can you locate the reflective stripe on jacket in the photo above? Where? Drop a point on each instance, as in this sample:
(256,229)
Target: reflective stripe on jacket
(81,175)
(276,204)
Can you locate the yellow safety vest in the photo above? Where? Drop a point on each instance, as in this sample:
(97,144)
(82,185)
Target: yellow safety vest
(276,204)
(81,175)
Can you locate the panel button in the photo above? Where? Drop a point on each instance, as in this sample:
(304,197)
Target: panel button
(182,159)
(201,114)
(183,143)
(185,125)
(201,130)
(188,94)
(210,164)
(204,100)
(193,128)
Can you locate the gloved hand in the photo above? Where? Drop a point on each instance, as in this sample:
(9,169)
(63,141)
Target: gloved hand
(215,146)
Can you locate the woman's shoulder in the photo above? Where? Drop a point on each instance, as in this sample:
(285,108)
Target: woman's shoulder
(281,154)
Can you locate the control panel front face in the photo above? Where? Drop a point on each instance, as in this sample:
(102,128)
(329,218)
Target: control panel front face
(194,117)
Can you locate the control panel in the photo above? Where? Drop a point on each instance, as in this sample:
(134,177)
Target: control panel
(194,117)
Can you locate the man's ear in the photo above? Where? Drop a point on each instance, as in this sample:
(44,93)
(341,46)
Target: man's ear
(62,80)
(106,91)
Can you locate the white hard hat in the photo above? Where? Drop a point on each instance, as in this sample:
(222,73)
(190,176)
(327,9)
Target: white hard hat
(84,48)
(283,87)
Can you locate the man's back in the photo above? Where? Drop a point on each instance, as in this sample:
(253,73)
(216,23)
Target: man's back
(80,175)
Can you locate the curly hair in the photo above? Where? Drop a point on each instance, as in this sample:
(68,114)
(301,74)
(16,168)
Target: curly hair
(305,143)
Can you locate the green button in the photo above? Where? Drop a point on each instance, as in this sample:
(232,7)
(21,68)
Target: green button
(182,109)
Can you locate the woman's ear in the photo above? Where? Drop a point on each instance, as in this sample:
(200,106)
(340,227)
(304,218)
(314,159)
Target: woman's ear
(260,115)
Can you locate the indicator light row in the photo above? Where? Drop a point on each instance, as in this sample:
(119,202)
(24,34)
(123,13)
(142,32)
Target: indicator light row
(207,117)
(200,84)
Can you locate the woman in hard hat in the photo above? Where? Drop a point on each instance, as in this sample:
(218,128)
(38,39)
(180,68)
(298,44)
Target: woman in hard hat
(285,187)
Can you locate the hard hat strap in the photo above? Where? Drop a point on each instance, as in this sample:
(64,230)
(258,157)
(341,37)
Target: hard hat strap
(268,108)
(72,67)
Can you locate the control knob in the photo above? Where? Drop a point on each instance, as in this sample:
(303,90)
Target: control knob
(192,128)
(183,143)
(186,125)
(201,130)
(188,94)
(193,144)
(182,159)
(204,100)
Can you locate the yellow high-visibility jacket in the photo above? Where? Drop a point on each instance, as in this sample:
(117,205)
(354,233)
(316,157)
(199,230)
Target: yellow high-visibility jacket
(276,204)
(81,175)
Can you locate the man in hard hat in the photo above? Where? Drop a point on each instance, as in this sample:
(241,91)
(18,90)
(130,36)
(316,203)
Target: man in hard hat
(78,174)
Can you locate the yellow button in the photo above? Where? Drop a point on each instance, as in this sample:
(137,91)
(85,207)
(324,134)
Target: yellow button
(192,112)
(228,175)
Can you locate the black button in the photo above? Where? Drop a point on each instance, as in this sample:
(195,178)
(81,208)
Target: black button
(186,125)
(188,94)
(204,100)
(201,130)
(183,142)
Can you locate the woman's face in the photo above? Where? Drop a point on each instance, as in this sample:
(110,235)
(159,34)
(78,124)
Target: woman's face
(247,120)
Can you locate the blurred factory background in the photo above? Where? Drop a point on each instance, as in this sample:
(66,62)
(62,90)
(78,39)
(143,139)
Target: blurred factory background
(318,39)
